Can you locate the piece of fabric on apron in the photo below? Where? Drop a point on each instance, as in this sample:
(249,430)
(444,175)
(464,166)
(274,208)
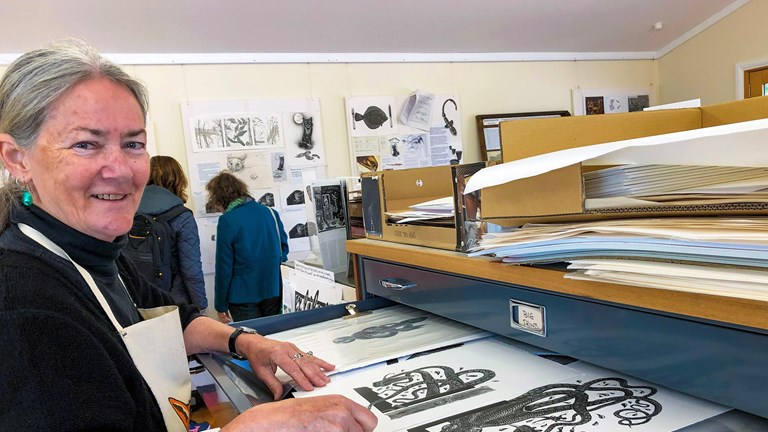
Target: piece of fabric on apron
(156,346)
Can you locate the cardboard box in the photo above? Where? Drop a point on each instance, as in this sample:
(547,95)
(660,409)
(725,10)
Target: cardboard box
(396,190)
(558,196)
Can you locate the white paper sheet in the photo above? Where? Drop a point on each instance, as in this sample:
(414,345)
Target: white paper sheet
(384,334)
(599,400)
(737,144)
(440,384)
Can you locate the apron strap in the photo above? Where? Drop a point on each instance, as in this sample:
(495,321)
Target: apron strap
(53,247)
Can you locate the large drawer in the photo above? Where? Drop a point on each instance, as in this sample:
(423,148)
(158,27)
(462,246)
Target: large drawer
(721,364)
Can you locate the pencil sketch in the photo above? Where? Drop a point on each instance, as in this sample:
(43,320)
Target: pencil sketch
(208,134)
(412,391)
(236,162)
(560,408)
(382,331)
(266,130)
(237,132)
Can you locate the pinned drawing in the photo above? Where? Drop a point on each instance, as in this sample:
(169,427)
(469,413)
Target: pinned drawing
(329,207)
(278,167)
(449,123)
(266,130)
(208,134)
(306,131)
(267,199)
(237,133)
(373,117)
(299,230)
(369,163)
(370,116)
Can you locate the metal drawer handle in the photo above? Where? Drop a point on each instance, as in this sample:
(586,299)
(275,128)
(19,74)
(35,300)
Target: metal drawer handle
(397,284)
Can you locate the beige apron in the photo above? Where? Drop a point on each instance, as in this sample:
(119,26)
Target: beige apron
(156,346)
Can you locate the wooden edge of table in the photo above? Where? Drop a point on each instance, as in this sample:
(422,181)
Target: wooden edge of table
(733,310)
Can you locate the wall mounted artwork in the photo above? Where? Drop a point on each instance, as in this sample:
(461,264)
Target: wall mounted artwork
(381,138)
(611,101)
(275,146)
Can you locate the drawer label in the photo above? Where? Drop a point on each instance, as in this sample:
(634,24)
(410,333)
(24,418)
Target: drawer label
(528,317)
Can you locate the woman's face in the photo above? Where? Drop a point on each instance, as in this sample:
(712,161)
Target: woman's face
(89,166)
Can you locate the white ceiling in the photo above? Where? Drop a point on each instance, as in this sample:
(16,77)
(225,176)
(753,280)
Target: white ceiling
(483,29)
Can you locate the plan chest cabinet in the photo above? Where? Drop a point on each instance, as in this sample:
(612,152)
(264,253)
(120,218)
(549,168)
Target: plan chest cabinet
(712,347)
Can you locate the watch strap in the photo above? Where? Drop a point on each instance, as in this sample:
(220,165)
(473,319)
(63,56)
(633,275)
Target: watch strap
(232,338)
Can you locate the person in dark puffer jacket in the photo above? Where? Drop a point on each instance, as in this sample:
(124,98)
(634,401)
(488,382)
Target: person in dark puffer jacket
(166,189)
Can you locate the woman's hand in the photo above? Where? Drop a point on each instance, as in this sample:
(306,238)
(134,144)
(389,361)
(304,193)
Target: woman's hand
(224,317)
(320,414)
(266,355)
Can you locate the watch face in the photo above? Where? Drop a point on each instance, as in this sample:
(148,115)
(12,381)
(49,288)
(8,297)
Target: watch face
(248,330)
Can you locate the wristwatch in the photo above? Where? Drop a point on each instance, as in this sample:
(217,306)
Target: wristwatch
(233,337)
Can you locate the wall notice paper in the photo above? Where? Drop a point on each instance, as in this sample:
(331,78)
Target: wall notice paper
(313,288)
(736,144)
(437,385)
(381,335)
(417,111)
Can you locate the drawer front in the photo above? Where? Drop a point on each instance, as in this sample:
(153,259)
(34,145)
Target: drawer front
(717,363)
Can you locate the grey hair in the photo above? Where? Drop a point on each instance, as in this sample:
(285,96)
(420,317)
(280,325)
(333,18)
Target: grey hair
(34,81)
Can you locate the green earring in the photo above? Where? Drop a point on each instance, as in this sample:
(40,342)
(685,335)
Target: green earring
(26,198)
(26,195)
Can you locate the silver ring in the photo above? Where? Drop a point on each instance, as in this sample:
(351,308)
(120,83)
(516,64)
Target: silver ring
(297,356)
(310,353)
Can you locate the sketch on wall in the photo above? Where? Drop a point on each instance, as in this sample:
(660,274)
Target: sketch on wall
(208,134)
(257,140)
(377,146)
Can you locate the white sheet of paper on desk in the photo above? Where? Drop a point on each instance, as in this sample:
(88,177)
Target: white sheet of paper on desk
(442,383)
(597,400)
(737,144)
(382,335)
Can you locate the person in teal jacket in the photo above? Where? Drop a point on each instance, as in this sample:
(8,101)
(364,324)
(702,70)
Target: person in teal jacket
(250,245)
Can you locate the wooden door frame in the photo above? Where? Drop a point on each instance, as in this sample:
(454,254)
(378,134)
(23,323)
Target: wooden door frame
(740,69)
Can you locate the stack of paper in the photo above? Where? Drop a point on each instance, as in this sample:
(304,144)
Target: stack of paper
(437,211)
(649,180)
(722,281)
(711,240)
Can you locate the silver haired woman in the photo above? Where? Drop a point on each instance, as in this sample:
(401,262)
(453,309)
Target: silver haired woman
(87,344)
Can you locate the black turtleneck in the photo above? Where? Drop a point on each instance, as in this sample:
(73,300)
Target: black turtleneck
(96,256)
(63,365)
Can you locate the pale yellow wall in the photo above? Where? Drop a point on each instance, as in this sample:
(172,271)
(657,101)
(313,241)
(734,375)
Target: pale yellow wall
(705,66)
(482,88)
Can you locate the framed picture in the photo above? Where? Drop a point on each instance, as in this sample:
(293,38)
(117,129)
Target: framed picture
(488,130)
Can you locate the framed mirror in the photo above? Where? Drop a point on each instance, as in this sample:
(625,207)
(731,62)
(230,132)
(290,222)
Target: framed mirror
(488,130)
